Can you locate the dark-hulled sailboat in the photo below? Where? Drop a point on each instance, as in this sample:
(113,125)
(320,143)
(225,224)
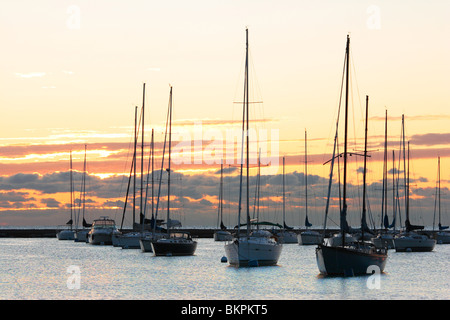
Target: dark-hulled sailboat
(174,243)
(354,259)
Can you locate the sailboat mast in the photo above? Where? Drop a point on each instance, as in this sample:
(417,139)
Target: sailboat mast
(84,182)
(439,190)
(384,192)
(168,170)
(306,177)
(220,196)
(142,154)
(404,168)
(394,190)
(247,132)
(153,180)
(71,192)
(134,166)
(344,205)
(363,219)
(407,190)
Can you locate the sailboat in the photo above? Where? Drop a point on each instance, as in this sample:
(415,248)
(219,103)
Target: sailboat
(255,248)
(68,234)
(173,243)
(408,240)
(350,259)
(81,235)
(442,237)
(385,238)
(222,234)
(285,234)
(131,240)
(308,237)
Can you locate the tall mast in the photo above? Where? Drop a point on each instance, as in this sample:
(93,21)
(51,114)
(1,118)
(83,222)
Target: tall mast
(363,219)
(439,191)
(134,166)
(344,205)
(247,133)
(142,153)
(71,192)
(306,179)
(84,182)
(221,193)
(404,169)
(168,170)
(407,190)
(153,194)
(394,200)
(384,192)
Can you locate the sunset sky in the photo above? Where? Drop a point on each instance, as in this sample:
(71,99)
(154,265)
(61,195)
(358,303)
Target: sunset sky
(73,71)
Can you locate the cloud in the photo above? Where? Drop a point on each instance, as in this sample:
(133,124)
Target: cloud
(50,202)
(431,139)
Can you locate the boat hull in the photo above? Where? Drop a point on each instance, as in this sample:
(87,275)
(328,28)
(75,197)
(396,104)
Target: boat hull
(173,248)
(347,262)
(443,237)
(336,240)
(244,252)
(414,245)
(82,236)
(100,238)
(66,235)
(287,237)
(309,238)
(383,242)
(222,235)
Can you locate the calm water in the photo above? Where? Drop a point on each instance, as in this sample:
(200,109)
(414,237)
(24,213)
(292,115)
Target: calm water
(40,269)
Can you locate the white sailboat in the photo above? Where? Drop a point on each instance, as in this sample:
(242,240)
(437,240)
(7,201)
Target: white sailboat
(410,241)
(68,234)
(350,259)
(308,237)
(442,237)
(223,234)
(255,248)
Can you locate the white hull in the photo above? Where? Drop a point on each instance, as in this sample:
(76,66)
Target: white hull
(336,240)
(66,235)
(412,242)
(223,235)
(309,238)
(443,237)
(129,240)
(253,251)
